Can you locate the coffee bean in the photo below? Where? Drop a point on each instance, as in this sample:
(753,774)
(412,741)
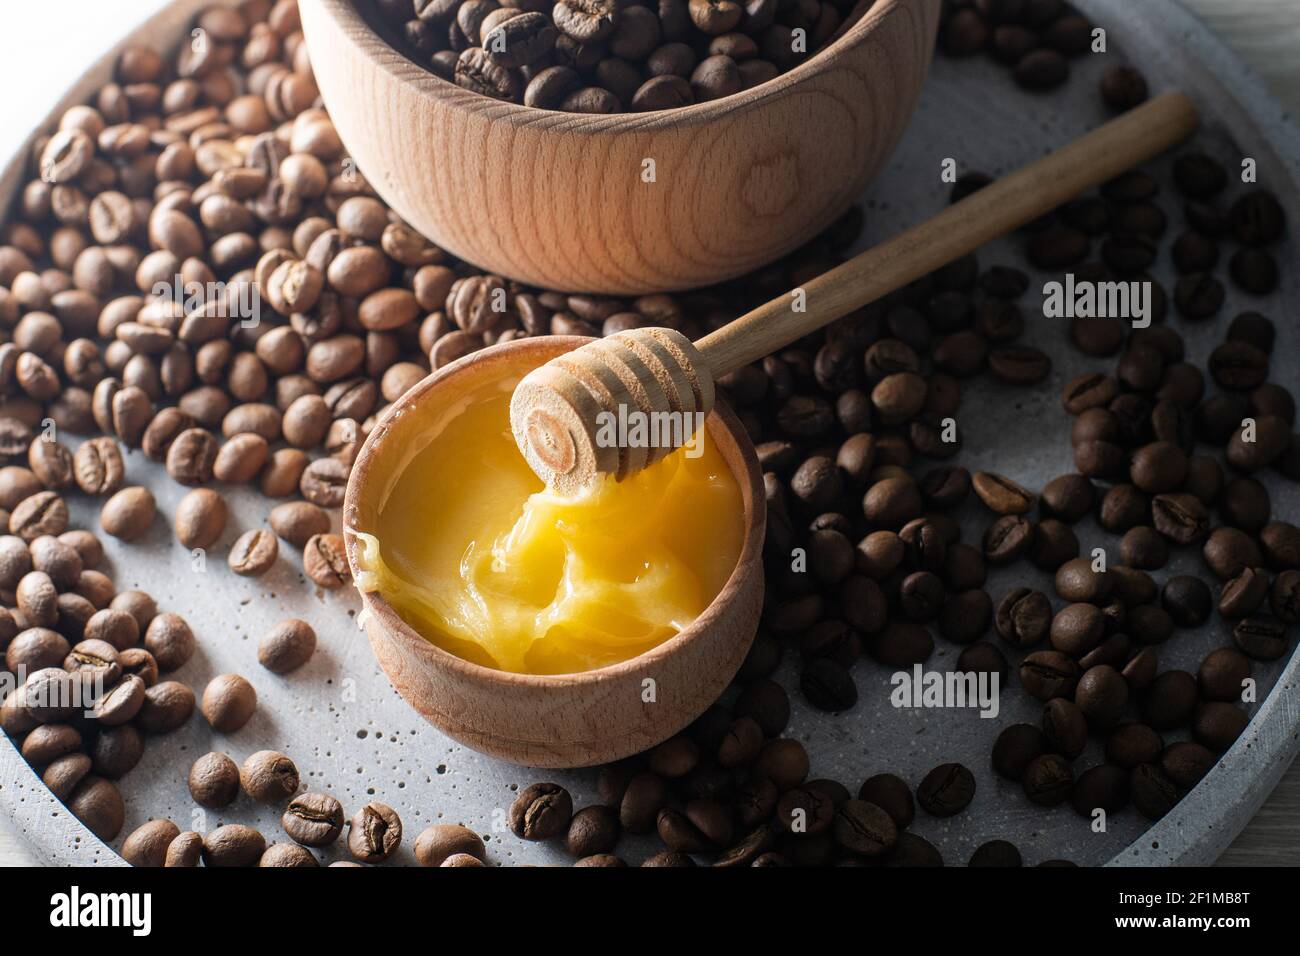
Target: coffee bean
(1023,617)
(1007,538)
(946,790)
(1187,600)
(1002,495)
(228,702)
(1123,88)
(435,846)
(232,845)
(541,811)
(97,803)
(147,845)
(1048,674)
(1048,780)
(268,777)
(1153,793)
(190,457)
(167,705)
(1244,594)
(43,513)
(1102,695)
(1284,599)
(119,704)
(325,561)
(1217,724)
(324,482)
(828,685)
(1077,629)
(1261,639)
(214,781)
(254,552)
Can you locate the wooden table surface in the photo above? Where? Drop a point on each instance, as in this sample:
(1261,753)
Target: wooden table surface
(1265,33)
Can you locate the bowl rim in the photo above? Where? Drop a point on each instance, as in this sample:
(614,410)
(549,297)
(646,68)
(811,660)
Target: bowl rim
(747,563)
(423,82)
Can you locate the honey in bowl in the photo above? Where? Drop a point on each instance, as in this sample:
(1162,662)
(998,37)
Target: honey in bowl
(476,555)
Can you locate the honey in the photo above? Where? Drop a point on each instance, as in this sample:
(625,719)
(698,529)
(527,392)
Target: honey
(478,557)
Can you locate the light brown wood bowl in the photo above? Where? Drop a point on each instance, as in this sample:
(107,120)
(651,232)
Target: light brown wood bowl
(557,199)
(570,720)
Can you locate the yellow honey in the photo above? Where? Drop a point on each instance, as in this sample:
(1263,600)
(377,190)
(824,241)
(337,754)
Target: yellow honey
(478,557)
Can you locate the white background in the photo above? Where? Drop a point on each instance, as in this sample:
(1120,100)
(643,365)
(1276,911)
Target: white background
(45,44)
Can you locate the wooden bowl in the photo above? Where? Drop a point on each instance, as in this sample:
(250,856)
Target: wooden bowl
(558,200)
(570,720)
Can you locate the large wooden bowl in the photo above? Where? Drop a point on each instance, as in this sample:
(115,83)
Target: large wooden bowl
(571,720)
(559,199)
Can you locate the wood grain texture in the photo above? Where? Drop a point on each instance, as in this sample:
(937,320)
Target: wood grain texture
(559,199)
(573,720)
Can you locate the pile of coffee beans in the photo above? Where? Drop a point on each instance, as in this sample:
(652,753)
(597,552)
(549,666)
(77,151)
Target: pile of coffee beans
(90,663)
(608,56)
(220,170)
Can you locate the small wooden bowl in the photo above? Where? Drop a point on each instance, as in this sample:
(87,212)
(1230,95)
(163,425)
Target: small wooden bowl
(571,720)
(558,199)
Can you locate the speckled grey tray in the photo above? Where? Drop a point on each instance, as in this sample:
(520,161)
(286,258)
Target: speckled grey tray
(351,735)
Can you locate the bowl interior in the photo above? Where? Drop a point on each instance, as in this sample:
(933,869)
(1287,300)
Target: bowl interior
(415,420)
(857,25)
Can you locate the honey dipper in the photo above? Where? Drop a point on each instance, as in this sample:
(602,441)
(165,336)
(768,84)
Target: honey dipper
(555,412)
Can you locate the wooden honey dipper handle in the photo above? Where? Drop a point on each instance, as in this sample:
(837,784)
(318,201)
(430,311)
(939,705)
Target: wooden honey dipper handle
(1004,205)
(561,414)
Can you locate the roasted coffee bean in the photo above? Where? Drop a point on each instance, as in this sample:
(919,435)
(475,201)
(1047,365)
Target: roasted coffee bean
(828,685)
(946,790)
(1169,701)
(128,514)
(200,518)
(902,643)
(116,751)
(1261,639)
(228,702)
(1182,518)
(170,641)
(1102,694)
(1002,495)
(268,777)
(435,846)
(1216,724)
(1187,600)
(325,561)
(866,829)
(147,845)
(1007,538)
(1048,780)
(43,513)
(1153,793)
(287,646)
(190,457)
(97,803)
(166,706)
(1284,599)
(232,845)
(541,811)
(254,552)
(214,781)
(1133,744)
(1244,594)
(1024,617)
(1103,787)
(119,704)
(1077,629)
(1185,763)
(1048,674)
(1078,581)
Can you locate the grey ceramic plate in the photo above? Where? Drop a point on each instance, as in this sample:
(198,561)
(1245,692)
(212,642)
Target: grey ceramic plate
(351,734)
